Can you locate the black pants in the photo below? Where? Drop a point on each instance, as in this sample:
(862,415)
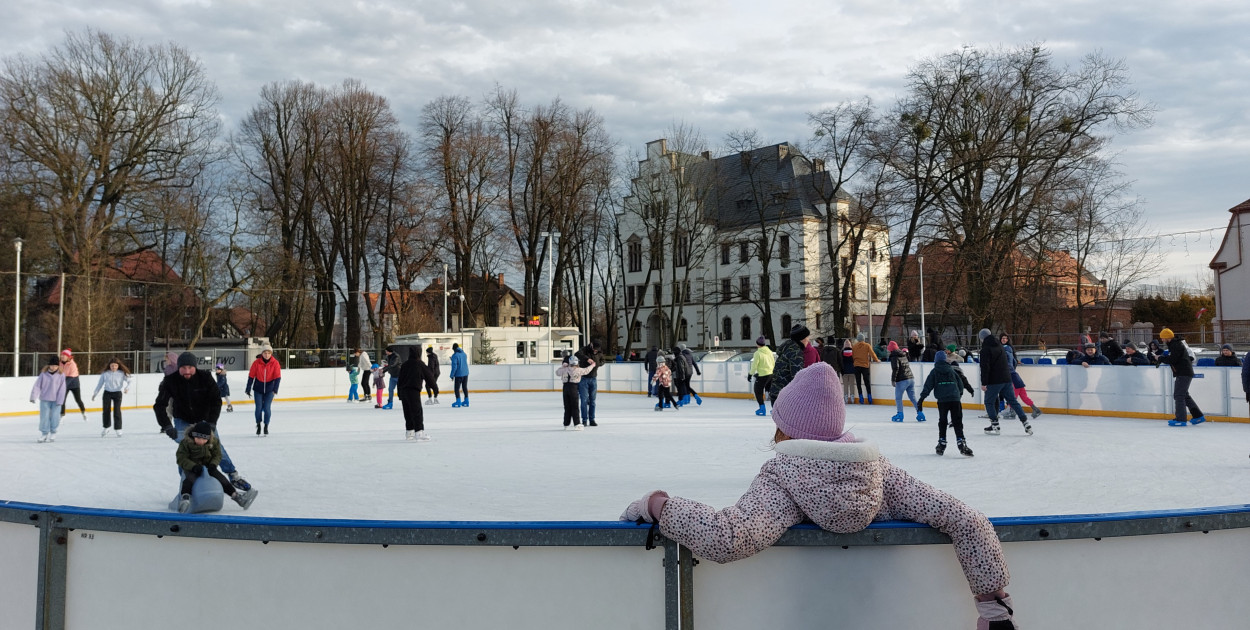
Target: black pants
(364,383)
(761,386)
(114,400)
(1180,393)
(571,404)
(685,383)
(663,394)
(431,388)
(955,410)
(862,381)
(77,396)
(414,418)
(679,385)
(189,478)
(462,384)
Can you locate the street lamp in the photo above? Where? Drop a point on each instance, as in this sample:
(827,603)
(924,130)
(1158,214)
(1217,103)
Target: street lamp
(445,318)
(923,331)
(868,288)
(17,308)
(461,296)
(551,346)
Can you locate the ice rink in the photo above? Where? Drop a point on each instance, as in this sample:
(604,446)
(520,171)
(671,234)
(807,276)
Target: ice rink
(507,458)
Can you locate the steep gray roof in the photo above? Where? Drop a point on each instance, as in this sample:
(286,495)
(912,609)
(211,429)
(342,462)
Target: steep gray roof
(766,185)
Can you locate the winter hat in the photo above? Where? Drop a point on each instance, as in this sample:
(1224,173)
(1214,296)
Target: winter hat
(940,357)
(659,360)
(808,408)
(985,332)
(1090,345)
(53,361)
(186,358)
(67,353)
(1166,334)
(1227,347)
(455,346)
(915,333)
(892,346)
(202,430)
(799,333)
(266,347)
(683,346)
(219,367)
(761,341)
(860,337)
(375,366)
(429,350)
(950,347)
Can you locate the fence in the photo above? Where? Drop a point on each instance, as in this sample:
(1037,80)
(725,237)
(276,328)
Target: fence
(140,361)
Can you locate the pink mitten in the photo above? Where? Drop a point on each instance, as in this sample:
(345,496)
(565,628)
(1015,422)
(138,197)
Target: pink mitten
(647,508)
(996,614)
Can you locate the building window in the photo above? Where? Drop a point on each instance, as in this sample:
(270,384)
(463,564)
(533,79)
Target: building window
(130,322)
(635,333)
(874,286)
(785,285)
(726,289)
(659,294)
(784,246)
(724,253)
(685,291)
(766,289)
(514,321)
(726,329)
(872,251)
(681,329)
(681,253)
(677,292)
(744,288)
(763,246)
(629,296)
(744,252)
(786,324)
(635,256)
(817,321)
(130,344)
(746,328)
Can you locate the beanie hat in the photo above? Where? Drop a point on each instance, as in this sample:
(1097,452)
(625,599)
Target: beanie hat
(860,337)
(1090,345)
(761,341)
(950,347)
(202,430)
(219,367)
(683,346)
(53,361)
(892,346)
(808,408)
(455,346)
(67,353)
(940,357)
(375,366)
(186,358)
(1226,347)
(985,332)
(799,333)
(915,333)
(429,350)
(1166,334)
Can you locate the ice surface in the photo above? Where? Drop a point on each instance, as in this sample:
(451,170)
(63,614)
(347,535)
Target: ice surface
(507,458)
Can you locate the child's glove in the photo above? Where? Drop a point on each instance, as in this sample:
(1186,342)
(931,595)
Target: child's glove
(169,431)
(647,508)
(996,614)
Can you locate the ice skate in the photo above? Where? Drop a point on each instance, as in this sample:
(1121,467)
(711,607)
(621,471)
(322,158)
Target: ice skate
(762,411)
(456,404)
(84,416)
(898,417)
(229,408)
(920,416)
(697,400)
(436,401)
(1177,423)
(1028,429)
(119,432)
(1036,412)
(239,482)
(105,432)
(52,436)
(870,399)
(388,406)
(429,401)
(44,438)
(257,428)
(1198,420)
(861,400)
(184,504)
(266,429)
(963,449)
(941,447)
(466,402)
(244,499)
(422,437)
(993,430)
(410,436)
(592,423)
(577,427)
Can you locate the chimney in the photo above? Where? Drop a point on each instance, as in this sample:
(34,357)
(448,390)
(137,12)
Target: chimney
(501,279)
(707,155)
(818,165)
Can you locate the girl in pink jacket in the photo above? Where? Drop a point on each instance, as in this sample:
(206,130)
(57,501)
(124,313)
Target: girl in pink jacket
(824,474)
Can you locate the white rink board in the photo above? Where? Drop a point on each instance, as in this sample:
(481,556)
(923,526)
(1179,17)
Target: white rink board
(19,574)
(1159,582)
(126,581)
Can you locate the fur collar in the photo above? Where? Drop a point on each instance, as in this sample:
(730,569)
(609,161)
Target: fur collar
(830,451)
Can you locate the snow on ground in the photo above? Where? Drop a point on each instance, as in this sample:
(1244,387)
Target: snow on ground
(507,458)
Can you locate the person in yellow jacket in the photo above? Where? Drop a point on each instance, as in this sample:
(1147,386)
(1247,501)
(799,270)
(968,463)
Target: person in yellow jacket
(762,371)
(864,356)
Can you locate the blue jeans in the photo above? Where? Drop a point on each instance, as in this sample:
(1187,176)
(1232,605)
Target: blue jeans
(264,406)
(227,466)
(49,416)
(908,386)
(650,382)
(586,391)
(390,389)
(1008,393)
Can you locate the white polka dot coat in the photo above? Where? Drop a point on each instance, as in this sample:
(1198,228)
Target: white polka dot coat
(841,487)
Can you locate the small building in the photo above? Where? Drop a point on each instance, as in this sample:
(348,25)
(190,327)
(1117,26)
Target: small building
(500,344)
(1232,279)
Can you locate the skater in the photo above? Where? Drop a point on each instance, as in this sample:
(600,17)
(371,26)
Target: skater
(263,379)
(379,383)
(996,381)
(193,396)
(903,381)
(115,381)
(392,371)
(69,368)
(824,474)
(1022,394)
(761,370)
(588,387)
(663,380)
(199,453)
(692,369)
(412,375)
(848,372)
(49,393)
(431,384)
(679,370)
(353,380)
(1227,357)
(459,375)
(789,360)
(864,357)
(649,364)
(571,377)
(223,386)
(366,371)
(948,383)
(1182,375)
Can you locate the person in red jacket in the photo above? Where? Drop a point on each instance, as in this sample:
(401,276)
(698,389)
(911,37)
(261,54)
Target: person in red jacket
(263,379)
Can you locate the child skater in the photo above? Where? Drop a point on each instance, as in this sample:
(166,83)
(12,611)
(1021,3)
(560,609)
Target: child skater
(947,382)
(353,377)
(848,371)
(224,386)
(199,453)
(379,383)
(663,380)
(49,392)
(69,368)
(115,380)
(903,381)
(824,474)
(571,377)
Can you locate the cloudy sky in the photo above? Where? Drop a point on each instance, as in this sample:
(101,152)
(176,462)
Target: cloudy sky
(724,65)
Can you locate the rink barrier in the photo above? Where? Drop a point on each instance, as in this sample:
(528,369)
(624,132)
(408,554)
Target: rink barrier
(1114,391)
(61,527)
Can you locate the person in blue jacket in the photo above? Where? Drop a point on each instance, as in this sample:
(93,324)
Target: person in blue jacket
(460,374)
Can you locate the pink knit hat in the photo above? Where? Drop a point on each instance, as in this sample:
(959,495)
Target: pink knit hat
(892,347)
(810,407)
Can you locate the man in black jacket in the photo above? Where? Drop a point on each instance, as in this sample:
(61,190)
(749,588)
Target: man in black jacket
(1183,375)
(1110,348)
(996,382)
(193,396)
(650,367)
(431,381)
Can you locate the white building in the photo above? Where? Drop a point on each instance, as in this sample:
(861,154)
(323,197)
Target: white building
(740,241)
(1232,279)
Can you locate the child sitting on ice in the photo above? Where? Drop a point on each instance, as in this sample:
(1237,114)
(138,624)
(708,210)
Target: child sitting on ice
(824,474)
(199,453)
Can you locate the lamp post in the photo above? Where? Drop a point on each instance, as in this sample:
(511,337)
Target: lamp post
(17,308)
(923,331)
(551,346)
(461,296)
(445,317)
(868,288)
